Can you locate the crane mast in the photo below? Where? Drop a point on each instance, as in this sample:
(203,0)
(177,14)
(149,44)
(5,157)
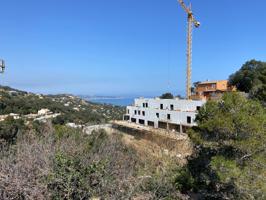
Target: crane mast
(191,21)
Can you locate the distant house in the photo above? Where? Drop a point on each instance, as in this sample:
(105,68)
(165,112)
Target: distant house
(211,90)
(13,115)
(76,109)
(73,125)
(44,112)
(12,92)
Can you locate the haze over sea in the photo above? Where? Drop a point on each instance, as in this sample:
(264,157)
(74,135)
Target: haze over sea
(121,101)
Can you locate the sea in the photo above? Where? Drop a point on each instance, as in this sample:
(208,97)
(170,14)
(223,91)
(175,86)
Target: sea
(112,101)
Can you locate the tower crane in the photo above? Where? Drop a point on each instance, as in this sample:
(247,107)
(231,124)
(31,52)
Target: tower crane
(191,21)
(2,66)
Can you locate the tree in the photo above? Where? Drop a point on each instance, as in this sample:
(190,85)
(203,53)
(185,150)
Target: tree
(251,78)
(231,149)
(195,85)
(167,96)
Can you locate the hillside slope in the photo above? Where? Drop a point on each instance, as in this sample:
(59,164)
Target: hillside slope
(71,108)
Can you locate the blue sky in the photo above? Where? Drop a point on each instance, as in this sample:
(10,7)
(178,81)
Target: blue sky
(124,47)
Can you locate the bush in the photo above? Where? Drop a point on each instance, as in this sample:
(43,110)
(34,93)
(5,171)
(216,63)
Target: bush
(9,129)
(68,178)
(184,180)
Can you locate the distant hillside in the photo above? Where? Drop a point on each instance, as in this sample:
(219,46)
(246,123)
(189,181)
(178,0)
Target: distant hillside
(9,89)
(72,108)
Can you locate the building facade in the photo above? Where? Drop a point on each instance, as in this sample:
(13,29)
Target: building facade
(211,90)
(170,114)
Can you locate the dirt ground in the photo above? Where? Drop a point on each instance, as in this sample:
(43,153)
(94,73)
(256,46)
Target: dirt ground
(157,144)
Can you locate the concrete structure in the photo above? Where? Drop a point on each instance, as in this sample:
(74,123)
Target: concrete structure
(14,115)
(211,90)
(171,114)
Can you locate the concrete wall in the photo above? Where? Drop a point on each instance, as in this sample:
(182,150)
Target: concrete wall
(179,104)
(222,85)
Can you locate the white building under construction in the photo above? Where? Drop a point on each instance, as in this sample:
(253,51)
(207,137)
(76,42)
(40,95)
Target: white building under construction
(170,114)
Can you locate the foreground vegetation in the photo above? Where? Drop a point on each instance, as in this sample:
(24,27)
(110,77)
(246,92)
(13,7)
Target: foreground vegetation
(230,157)
(46,162)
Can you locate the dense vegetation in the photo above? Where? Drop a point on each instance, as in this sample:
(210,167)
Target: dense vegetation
(230,158)
(251,78)
(55,162)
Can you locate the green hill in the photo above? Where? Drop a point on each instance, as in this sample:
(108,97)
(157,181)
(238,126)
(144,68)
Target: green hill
(72,108)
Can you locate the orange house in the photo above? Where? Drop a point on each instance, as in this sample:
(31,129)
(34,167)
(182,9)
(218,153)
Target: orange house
(211,89)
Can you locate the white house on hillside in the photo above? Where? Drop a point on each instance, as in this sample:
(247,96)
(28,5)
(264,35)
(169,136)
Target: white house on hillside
(171,114)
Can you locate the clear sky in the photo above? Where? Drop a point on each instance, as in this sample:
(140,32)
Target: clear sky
(124,47)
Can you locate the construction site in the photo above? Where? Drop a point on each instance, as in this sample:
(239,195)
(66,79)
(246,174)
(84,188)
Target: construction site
(169,119)
(176,115)
(172,136)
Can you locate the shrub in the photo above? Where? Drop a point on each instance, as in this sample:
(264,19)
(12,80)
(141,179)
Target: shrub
(10,128)
(184,181)
(68,178)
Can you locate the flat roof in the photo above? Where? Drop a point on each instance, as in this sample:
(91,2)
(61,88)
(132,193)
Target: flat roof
(208,82)
(174,99)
